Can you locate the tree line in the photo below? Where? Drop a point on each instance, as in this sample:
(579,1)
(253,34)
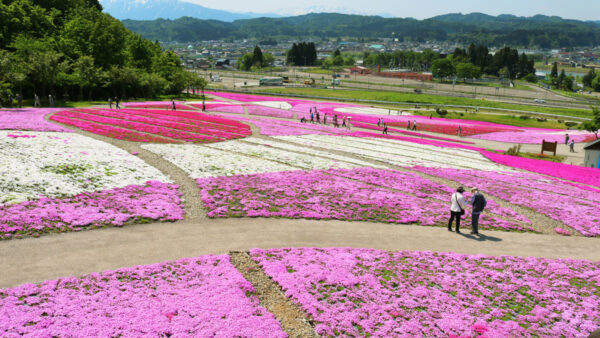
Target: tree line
(71,50)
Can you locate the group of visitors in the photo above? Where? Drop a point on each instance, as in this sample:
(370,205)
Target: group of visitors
(315,117)
(19,98)
(571,144)
(459,204)
(117,101)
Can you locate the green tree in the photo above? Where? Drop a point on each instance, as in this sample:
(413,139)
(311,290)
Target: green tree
(257,57)
(245,62)
(443,69)
(588,78)
(337,53)
(467,70)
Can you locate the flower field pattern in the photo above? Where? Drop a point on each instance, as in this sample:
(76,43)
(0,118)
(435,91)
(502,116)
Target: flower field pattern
(366,292)
(65,164)
(202,297)
(576,208)
(170,125)
(29,119)
(200,161)
(567,172)
(345,194)
(402,152)
(153,201)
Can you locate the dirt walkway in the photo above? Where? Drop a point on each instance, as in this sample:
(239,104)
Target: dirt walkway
(72,254)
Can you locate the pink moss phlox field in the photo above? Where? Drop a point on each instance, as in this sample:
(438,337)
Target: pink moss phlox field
(411,183)
(576,208)
(416,140)
(140,125)
(155,104)
(195,297)
(409,133)
(29,119)
(562,231)
(273,127)
(269,111)
(536,136)
(361,292)
(154,201)
(568,172)
(109,131)
(226,108)
(353,194)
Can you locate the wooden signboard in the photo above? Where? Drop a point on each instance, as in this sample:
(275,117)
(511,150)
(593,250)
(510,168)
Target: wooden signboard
(549,146)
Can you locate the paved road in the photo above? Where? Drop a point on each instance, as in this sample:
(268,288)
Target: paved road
(73,254)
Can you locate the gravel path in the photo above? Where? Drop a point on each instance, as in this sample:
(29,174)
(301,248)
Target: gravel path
(77,253)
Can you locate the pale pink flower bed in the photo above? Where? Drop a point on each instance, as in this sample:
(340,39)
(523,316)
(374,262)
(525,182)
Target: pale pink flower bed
(195,297)
(345,194)
(154,201)
(274,127)
(576,208)
(568,172)
(366,292)
(536,136)
(269,111)
(30,119)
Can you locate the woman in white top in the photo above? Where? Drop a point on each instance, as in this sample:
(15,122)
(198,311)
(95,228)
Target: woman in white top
(457,209)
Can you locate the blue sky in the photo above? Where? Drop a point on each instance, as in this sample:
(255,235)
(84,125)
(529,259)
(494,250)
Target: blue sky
(420,9)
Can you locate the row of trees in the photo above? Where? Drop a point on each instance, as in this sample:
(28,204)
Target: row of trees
(476,60)
(256,59)
(561,81)
(72,50)
(592,80)
(302,54)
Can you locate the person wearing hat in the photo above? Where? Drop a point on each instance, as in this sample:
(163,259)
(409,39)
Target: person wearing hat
(478,202)
(457,209)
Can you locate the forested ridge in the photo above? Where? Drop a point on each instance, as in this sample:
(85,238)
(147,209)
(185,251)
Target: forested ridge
(537,31)
(70,49)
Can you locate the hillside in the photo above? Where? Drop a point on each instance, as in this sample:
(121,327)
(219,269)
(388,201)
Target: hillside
(537,31)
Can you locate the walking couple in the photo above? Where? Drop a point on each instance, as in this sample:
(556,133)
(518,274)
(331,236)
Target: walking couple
(459,204)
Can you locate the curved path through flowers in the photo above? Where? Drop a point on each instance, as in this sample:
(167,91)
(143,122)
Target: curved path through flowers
(80,253)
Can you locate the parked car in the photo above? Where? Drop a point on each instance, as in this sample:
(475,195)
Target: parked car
(539,101)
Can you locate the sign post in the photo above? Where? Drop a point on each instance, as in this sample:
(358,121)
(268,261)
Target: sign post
(549,146)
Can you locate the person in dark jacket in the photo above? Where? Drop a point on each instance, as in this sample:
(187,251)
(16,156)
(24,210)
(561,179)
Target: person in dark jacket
(479,203)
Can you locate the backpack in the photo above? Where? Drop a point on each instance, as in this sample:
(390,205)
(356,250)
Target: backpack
(480,203)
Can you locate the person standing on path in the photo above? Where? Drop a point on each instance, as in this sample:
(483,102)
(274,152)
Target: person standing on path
(348,122)
(10,101)
(325,118)
(173,104)
(479,203)
(312,116)
(408,126)
(110,103)
(385,132)
(414,125)
(459,131)
(117,102)
(19,100)
(344,121)
(51,100)
(572,145)
(36,100)
(566,139)
(457,209)
(318,118)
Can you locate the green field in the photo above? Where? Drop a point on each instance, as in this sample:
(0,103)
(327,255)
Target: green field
(423,99)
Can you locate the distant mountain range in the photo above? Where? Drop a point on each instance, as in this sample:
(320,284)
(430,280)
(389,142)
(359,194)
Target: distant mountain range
(537,31)
(170,9)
